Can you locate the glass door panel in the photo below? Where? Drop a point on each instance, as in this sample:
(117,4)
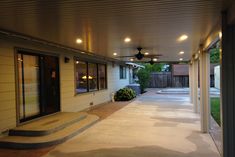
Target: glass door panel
(28,67)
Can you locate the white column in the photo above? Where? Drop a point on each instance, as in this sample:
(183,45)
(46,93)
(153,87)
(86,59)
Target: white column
(191,82)
(195,85)
(204,91)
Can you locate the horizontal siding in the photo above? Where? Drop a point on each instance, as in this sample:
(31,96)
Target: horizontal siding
(6,124)
(7,114)
(9,104)
(69,101)
(7,96)
(7,78)
(6,60)
(72,102)
(7,51)
(7,69)
(7,89)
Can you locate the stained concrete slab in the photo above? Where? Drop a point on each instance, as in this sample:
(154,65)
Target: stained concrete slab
(145,127)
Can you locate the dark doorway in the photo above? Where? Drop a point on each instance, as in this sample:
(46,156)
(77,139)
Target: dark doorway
(38,85)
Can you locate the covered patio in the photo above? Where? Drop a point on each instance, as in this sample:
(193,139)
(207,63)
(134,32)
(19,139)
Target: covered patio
(151,125)
(71,56)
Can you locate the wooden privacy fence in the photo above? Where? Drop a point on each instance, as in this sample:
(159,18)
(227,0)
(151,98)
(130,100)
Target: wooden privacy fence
(166,79)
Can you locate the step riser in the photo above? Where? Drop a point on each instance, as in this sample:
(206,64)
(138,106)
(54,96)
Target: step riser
(12,145)
(31,133)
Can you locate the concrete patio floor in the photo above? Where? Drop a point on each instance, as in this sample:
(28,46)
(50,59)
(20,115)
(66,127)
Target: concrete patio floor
(153,126)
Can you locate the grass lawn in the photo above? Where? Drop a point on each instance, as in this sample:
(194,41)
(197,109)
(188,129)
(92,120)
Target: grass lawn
(215,109)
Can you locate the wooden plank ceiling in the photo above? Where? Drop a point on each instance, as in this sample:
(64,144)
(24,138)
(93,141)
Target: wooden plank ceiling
(102,25)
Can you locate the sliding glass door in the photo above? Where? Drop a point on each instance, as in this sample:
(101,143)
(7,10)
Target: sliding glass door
(38,85)
(28,68)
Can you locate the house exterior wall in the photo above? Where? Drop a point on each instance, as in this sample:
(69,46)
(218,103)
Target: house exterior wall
(69,101)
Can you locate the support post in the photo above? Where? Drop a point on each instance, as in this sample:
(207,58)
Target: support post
(191,82)
(204,91)
(195,85)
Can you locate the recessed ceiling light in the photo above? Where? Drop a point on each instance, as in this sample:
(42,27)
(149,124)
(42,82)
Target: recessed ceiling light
(181,59)
(181,52)
(183,37)
(127,39)
(77,62)
(79,41)
(115,54)
(131,59)
(146,53)
(220,35)
(154,59)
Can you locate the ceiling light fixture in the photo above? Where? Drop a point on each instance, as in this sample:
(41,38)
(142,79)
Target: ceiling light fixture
(127,39)
(77,62)
(115,54)
(181,52)
(154,59)
(220,35)
(132,59)
(181,59)
(183,37)
(79,41)
(146,53)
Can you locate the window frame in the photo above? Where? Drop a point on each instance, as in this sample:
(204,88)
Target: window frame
(97,77)
(87,62)
(123,71)
(75,77)
(106,76)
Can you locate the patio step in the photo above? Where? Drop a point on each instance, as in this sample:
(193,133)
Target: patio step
(30,142)
(47,125)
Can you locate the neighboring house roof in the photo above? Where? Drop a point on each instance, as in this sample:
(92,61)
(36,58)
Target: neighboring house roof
(180,69)
(183,69)
(135,65)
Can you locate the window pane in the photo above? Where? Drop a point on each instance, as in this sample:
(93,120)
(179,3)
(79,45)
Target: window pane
(102,76)
(92,76)
(122,72)
(81,76)
(29,85)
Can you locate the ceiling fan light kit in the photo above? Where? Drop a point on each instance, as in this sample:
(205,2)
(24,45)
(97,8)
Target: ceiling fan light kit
(139,56)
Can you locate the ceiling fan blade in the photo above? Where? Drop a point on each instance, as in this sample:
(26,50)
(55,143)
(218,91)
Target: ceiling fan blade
(152,56)
(124,56)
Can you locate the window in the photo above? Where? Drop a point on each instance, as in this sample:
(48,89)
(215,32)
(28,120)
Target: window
(89,76)
(81,77)
(102,76)
(122,72)
(92,76)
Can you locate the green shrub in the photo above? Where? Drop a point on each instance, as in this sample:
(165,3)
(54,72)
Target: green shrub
(125,94)
(215,109)
(143,76)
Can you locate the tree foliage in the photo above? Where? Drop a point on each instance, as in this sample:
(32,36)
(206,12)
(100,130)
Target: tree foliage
(157,67)
(143,76)
(215,55)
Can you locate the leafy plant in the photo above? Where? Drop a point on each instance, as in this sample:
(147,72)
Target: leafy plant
(157,67)
(215,55)
(215,109)
(143,76)
(125,94)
